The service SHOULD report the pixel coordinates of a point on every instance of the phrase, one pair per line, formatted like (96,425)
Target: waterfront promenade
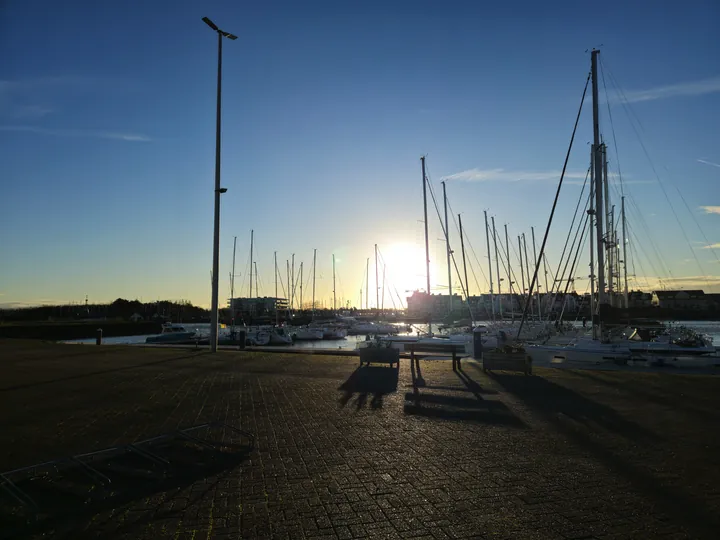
(346,452)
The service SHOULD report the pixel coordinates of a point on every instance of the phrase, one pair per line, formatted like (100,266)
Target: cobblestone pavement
(343,451)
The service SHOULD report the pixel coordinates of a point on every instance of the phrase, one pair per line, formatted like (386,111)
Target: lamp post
(218,190)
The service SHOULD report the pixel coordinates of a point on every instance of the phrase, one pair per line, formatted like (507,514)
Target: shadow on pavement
(65,495)
(366,380)
(556,403)
(448,406)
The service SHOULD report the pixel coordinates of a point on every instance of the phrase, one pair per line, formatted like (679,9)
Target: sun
(404,266)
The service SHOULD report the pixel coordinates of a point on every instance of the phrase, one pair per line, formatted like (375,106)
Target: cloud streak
(94,134)
(690,88)
(709,163)
(502,175)
(712,246)
(711,209)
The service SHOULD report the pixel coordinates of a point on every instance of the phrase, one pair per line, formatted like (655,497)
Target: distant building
(692,300)
(637,299)
(258,307)
(422,304)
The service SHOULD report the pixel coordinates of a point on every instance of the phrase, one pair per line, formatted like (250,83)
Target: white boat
(581,351)
(172,333)
(307,334)
(279,336)
(371,328)
(334,332)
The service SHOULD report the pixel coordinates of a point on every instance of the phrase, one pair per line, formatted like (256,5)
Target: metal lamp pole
(218,191)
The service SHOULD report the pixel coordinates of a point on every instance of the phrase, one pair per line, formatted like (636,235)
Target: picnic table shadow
(369,380)
(435,402)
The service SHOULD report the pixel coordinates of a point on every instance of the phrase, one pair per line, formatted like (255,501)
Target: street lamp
(218,190)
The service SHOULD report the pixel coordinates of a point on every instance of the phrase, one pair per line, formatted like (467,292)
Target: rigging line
(641,219)
(649,260)
(552,212)
(573,266)
(452,255)
(627,108)
(572,247)
(612,126)
(467,239)
(707,242)
(503,251)
(572,225)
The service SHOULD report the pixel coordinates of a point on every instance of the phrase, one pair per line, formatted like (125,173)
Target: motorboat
(307,334)
(172,333)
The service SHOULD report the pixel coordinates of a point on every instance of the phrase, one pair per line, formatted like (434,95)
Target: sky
(107,141)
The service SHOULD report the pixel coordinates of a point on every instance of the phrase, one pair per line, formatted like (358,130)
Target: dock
(342,451)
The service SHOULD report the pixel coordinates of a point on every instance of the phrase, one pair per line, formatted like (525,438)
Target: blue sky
(107,122)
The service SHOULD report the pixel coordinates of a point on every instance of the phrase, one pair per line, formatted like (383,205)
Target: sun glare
(404,269)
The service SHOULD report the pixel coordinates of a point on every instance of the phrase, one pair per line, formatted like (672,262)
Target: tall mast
(593,215)
(487,240)
(497,268)
(232,289)
(522,268)
(377,283)
(532,231)
(547,290)
(609,245)
(313,292)
(598,166)
(624,251)
(367,284)
(252,232)
(301,284)
(292,284)
(425,220)
(256,278)
(462,247)
(382,303)
(507,250)
(447,244)
(289,300)
(277,313)
(527,266)
(334,306)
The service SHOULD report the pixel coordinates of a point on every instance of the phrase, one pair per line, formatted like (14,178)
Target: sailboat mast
(232,289)
(377,282)
(425,220)
(287,267)
(256,279)
(624,251)
(507,250)
(334,306)
(447,244)
(527,267)
(313,291)
(487,241)
(301,285)
(462,247)
(532,232)
(367,284)
(598,166)
(382,303)
(591,212)
(252,232)
(292,283)
(609,249)
(522,268)
(277,312)
(497,267)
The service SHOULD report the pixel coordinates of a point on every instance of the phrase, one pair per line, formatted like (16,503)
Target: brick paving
(346,452)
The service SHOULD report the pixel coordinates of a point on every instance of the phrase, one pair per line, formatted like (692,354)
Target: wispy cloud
(502,175)
(133,137)
(712,246)
(709,163)
(711,209)
(690,88)
(706,283)
(29,111)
